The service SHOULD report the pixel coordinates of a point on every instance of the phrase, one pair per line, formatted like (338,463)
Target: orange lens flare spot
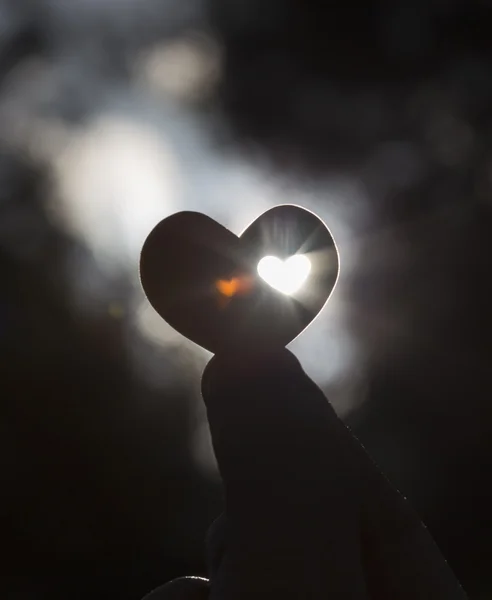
(227,288)
(234,286)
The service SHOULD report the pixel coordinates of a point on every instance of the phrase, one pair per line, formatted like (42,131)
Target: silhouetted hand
(308,514)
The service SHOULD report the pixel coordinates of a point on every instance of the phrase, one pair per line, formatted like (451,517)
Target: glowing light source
(285,276)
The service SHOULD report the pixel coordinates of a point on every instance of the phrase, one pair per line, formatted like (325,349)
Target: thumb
(290,475)
(274,433)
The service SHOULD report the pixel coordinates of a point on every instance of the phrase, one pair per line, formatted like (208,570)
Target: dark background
(380,112)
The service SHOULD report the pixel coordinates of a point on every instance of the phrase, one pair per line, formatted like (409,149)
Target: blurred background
(117,113)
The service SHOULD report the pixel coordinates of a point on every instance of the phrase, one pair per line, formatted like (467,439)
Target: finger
(183,588)
(400,557)
(290,478)
(271,424)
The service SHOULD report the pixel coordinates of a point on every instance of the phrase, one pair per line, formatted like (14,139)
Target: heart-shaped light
(286,276)
(208,284)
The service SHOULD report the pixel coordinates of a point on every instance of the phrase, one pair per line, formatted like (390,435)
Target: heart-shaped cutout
(286,276)
(211,285)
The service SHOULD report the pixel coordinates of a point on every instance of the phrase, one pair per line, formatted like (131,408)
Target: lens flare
(285,276)
(235,286)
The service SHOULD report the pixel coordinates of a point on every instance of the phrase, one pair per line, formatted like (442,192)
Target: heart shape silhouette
(209,285)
